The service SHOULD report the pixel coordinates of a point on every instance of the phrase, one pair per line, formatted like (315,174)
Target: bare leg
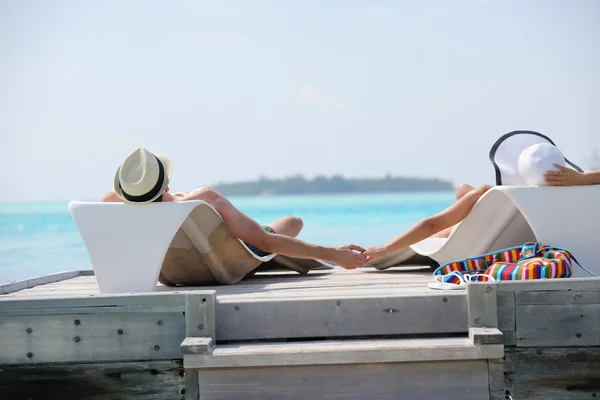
(288,226)
(461,191)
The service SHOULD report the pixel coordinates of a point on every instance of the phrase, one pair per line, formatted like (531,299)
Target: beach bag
(505,154)
(530,261)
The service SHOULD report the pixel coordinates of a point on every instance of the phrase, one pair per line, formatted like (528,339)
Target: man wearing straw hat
(144,178)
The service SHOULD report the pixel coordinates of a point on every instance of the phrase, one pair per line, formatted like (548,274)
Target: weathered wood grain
(342,352)
(505,299)
(90,338)
(482,305)
(102,328)
(47,305)
(200,315)
(548,284)
(336,282)
(510,338)
(39,280)
(199,321)
(465,380)
(148,380)
(496,379)
(553,373)
(483,336)
(198,345)
(558,297)
(558,325)
(325,317)
(506,318)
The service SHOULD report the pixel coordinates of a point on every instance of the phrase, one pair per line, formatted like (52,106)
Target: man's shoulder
(179,196)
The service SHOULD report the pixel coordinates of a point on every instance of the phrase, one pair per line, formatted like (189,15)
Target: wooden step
(453,368)
(331,315)
(341,352)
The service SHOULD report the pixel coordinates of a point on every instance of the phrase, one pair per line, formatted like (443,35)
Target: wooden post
(496,378)
(199,323)
(482,310)
(482,305)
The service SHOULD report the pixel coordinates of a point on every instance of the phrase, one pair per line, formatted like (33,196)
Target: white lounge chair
(130,246)
(507,216)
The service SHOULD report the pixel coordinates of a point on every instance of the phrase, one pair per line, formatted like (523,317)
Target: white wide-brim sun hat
(142,177)
(521,158)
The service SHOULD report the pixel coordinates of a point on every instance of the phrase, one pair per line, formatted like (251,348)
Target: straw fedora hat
(142,177)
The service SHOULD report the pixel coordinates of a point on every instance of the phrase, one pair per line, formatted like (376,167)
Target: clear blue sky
(231,90)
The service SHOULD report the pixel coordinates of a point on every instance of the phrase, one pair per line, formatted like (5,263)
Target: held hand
(564,177)
(375,252)
(349,256)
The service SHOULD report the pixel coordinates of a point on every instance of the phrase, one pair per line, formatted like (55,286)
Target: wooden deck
(280,335)
(331,283)
(336,302)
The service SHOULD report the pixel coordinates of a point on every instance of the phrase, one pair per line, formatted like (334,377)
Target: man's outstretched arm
(248,230)
(430,225)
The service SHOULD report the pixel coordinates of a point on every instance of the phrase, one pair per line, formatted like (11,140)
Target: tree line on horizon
(336,184)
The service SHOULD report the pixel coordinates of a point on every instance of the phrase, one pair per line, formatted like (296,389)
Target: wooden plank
(147,380)
(101,301)
(200,315)
(558,325)
(558,297)
(255,293)
(505,299)
(39,280)
(132,309)
(506,319)
(199,321)
(270,284)
(510,338)
(342,352)
(341,292)
(548,284)
(483,336)
(496,379)
(98,328)
(96,301)
(90,338)
(506,312)
(553,373)
(315,317)
(465,380)
(198,345)
(482,305)
(192,389)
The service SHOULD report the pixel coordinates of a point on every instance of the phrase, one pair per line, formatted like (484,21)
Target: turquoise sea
(41,238)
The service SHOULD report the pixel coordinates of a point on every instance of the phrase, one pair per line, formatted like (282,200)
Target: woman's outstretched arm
(430,225)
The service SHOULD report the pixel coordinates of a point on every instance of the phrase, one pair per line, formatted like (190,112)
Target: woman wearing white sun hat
(520,158)
(528,158)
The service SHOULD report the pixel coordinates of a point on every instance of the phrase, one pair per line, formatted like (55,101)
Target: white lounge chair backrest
(505,153)
(131,246)
(127,243)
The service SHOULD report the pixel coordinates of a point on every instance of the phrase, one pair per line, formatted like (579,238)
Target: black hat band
(153,192)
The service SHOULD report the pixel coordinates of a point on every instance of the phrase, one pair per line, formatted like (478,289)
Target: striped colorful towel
(530,261)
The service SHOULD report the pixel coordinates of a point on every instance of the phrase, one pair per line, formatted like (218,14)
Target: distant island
(336,184)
